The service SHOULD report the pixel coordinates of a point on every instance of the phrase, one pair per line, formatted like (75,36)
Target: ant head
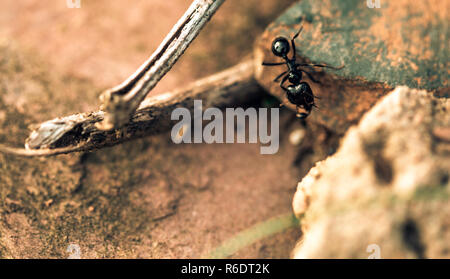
(294,77)
(280,47)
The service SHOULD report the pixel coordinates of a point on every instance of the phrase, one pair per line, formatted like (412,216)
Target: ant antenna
(298,33)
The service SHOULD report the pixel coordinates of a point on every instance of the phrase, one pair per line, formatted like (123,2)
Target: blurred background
(106,41)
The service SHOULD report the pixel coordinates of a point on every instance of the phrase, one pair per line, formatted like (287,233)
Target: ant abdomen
(300,94)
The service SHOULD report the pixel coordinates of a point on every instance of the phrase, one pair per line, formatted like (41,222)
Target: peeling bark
(79,132)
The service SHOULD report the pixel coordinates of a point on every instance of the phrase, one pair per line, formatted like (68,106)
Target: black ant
(298,93)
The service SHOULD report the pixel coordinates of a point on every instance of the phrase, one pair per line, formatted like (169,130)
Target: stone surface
(402,43)
(388,184)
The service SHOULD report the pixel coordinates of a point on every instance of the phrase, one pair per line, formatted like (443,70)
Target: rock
(402,43)
(388,185)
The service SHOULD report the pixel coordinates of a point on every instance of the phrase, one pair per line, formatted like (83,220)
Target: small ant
(298,93)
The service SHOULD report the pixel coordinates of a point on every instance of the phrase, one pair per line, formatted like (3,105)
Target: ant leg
(283,81)
(273,64)
(280,75)
(321,65)
(311,77)
(294,54)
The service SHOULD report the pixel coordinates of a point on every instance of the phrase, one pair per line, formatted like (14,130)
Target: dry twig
(79,132)
(122,101)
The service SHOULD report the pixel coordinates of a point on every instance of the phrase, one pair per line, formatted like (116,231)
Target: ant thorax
(295,77)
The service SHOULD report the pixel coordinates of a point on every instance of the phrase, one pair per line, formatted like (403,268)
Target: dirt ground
(148,198)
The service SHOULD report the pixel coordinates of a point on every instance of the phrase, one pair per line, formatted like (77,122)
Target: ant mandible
(298,93)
